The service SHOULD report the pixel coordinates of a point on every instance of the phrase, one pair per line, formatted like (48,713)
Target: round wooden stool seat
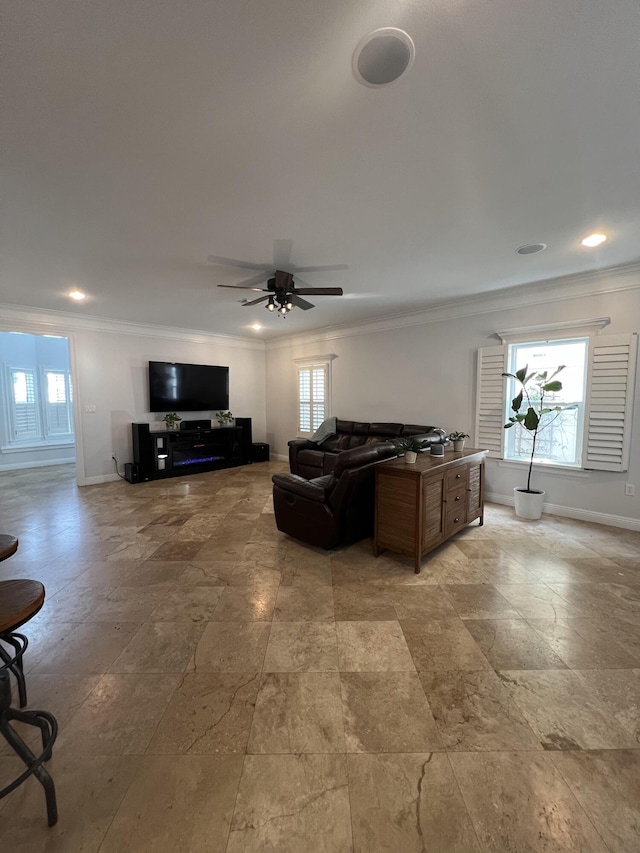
(20,600)
(8,545)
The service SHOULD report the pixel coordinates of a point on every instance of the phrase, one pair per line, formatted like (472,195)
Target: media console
(172,453)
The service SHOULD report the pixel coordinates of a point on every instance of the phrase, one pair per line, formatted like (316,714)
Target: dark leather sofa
(336,508)
(310,460)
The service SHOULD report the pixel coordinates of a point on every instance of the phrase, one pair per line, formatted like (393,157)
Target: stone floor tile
(563,712)
(607,786)
(246,603)
(619,691)
(589,643)
(512,644)
(187,604)
(177,803)
(208,713)
(519,801)
(88,792)
(479,601)
(474,712)
(292,803)
(304,603)
(357,602)
(373,647)
(119,716)
(91,648)
(159,647)
(421,602)
(298,712)
(387,712)
(231,647)
(442,644)
(408,803)
(302,647)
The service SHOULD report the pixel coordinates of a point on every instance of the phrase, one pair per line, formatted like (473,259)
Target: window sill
(541,467)
(39,445)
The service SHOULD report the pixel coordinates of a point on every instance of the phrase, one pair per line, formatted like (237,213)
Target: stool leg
(15,665)
(42,775)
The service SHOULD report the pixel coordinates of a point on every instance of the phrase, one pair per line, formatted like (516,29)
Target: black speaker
(246,443)
(144,450)
(195,424)
(260,452)
(437,449)
(131,472)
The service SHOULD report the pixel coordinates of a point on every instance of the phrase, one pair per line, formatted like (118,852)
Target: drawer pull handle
(457,497)
(458,476)
(456,520)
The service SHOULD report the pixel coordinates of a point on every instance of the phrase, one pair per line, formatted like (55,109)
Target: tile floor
(220,687)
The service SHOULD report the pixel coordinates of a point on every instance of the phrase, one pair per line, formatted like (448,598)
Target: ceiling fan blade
(301,303)
(327,268)
(231,262)
(255,279)
(255,301)
(241,287)
(319,291)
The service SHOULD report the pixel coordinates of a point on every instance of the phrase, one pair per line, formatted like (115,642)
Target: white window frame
(611,369)
(42,434)
(321,364)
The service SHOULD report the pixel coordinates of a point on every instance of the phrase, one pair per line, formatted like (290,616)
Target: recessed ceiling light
(594,240)
(383,56)
(531,248)
(256,327)
(78,295)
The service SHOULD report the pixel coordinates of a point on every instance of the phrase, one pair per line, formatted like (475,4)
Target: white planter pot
(458,445)
(528,504)
(410,456)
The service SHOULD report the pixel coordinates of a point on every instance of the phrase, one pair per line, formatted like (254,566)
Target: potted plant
(409,446)
(172,420)
(224,418)
(531,398)
(458,438)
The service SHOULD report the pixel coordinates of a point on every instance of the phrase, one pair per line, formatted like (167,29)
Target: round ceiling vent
(531,248)
(383,56)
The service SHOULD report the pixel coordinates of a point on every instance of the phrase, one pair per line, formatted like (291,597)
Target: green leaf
(531,420)
(520,374)
(552,386)
(508,426)
(516,402)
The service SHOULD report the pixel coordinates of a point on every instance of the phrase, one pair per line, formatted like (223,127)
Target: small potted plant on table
(224,418)
(172,420)
(409,446)
(458,439)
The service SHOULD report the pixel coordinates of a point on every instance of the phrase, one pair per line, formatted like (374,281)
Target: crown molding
(554,330)
(560,289)
(24,319)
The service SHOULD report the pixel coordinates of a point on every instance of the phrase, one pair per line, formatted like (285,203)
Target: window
(40,406)
(599,380)
(313,393)
(560,435)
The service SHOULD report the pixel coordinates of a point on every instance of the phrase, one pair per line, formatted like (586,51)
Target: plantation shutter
(490,400)
(24,413)
(319,384)
(610,392)
(57,408)
(304,400)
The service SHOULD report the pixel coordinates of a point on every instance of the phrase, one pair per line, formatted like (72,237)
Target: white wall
(423,371)
(109,366)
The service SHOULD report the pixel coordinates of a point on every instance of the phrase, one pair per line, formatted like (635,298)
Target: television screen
(187,387)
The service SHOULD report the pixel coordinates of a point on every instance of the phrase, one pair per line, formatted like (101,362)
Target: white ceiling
(138,138)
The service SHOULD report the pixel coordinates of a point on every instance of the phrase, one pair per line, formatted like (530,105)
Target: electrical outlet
(630,489)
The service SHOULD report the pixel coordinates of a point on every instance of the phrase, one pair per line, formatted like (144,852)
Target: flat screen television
(187,387)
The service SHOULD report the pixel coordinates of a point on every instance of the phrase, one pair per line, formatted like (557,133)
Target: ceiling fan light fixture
(271,305)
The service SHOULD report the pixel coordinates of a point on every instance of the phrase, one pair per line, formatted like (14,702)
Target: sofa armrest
(314,490)
(302,444)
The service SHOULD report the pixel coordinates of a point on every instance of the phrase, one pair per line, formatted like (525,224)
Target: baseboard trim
(571,512)
(103,478)
(278,457)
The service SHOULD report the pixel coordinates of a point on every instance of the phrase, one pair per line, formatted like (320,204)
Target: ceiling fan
(282,293)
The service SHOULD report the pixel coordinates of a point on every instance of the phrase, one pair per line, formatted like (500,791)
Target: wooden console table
(419,506)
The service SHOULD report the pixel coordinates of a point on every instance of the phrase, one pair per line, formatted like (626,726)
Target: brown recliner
(335,509)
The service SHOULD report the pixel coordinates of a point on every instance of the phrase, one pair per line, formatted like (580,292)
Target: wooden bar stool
(8,546)
(20,600)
